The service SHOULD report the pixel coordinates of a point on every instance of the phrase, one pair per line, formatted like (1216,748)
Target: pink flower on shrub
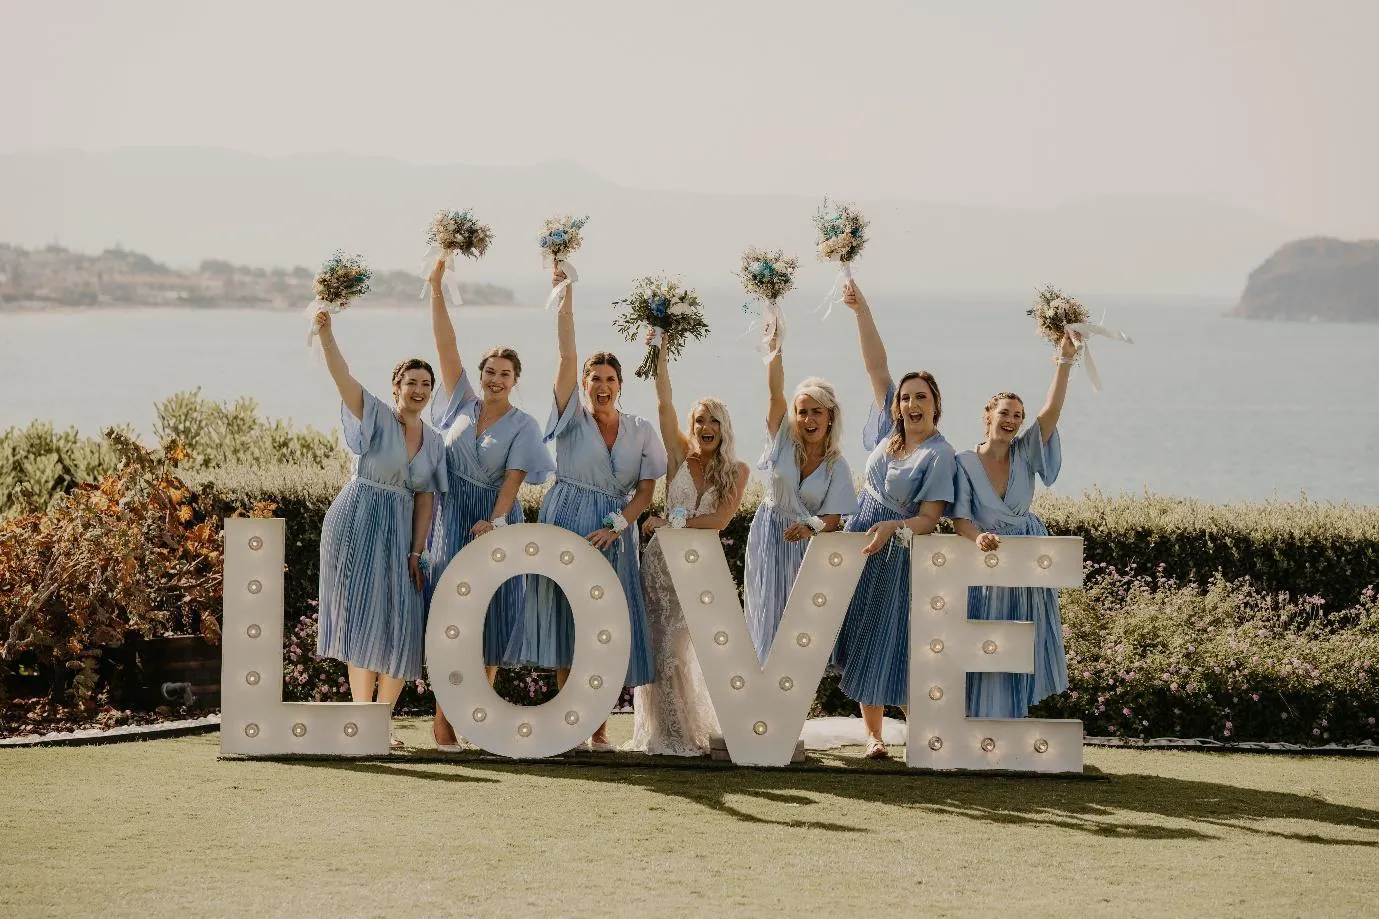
(1316,732)
(1254,696)
(1371,719)
(1173,687)
(1125,711)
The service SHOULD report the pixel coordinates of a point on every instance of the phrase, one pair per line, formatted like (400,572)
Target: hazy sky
(1265,104)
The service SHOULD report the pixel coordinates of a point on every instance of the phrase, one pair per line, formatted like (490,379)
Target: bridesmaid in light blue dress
(808,490)
(371,609)
(492,448)
(995,487)
(607,463)
(909,483)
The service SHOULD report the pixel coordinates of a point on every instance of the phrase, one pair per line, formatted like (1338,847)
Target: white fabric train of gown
(673,715)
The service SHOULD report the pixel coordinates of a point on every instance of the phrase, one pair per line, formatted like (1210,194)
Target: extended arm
(567,371)
(447,351)
(351,392)
(1058,389)
(671,435)
(873,350)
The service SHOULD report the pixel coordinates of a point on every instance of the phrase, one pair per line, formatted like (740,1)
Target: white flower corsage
(903,535)
(499,521)
(679,516)
(615,522)
(815,523)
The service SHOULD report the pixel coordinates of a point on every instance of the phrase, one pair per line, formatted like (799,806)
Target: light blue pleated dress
(477,465)
(1009,695)
(371,615)
(591,482)
(873,649)
(771,561)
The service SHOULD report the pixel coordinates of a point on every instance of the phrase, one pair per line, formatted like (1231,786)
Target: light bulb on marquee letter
(761,719)
(603,639)
(254,720)
(945,646)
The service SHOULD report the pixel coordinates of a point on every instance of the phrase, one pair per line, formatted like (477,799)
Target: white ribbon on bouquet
(772,331)
(1086,329)
(450,284)
(835,293)
(314,308)
(571,276)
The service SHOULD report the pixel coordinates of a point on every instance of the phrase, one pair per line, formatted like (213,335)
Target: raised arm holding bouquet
(453,232)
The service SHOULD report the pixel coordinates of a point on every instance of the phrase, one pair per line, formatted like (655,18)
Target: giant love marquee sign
(761,707)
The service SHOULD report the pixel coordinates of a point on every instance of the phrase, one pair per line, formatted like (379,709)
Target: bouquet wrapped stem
(342,279)
(559,239)
(453,232)
(669,310)
(1056,314)
(768,275)
(842,235)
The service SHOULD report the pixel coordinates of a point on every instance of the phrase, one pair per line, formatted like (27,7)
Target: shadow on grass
(1125,807)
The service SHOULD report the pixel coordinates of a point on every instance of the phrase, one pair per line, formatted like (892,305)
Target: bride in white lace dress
(704,485)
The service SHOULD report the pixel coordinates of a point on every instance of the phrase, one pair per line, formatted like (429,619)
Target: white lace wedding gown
(673,715)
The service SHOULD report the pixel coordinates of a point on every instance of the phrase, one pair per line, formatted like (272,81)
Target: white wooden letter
(761,708)
(254,719)
(455,640)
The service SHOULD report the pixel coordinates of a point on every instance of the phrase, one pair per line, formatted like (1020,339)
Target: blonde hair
(822,392)
(720,472)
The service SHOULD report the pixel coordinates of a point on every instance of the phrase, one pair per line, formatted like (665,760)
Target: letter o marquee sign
(454,640)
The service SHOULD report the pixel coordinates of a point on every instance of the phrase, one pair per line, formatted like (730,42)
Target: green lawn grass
(165,828)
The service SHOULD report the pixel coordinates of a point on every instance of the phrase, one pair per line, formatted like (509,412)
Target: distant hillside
(58,276)
(1321,279)
(293,210)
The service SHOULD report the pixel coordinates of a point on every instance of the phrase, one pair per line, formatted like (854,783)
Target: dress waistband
(472,481)
(575,483)
(884,501)
(397,489)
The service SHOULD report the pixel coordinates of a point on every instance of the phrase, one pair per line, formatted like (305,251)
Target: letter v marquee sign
(761,708)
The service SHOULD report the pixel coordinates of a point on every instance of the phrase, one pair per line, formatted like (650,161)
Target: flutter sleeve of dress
(362,433)
(964,506)
(776,446)
(1041,456)
(654,460)
(879,422)
(529,452)
(447,409)
(563,423)
(841,496)
(435,477)
(937,484)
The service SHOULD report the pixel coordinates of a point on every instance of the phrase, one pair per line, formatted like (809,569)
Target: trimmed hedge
(1302,548)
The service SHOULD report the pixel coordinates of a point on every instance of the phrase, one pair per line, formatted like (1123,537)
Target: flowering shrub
(1151,657)
(134,554)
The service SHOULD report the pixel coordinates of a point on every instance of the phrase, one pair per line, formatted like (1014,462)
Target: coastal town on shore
(54,276)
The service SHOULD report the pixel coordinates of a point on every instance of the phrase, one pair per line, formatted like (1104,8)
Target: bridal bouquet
(768,276)
(672,313)
(559,238)
(342,278)
(451,232)
(1055,314)
(842,234)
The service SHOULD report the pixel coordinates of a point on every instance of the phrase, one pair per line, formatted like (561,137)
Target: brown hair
(993,402)
(507,354)
(412,363)
(896,442)
(602,357)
